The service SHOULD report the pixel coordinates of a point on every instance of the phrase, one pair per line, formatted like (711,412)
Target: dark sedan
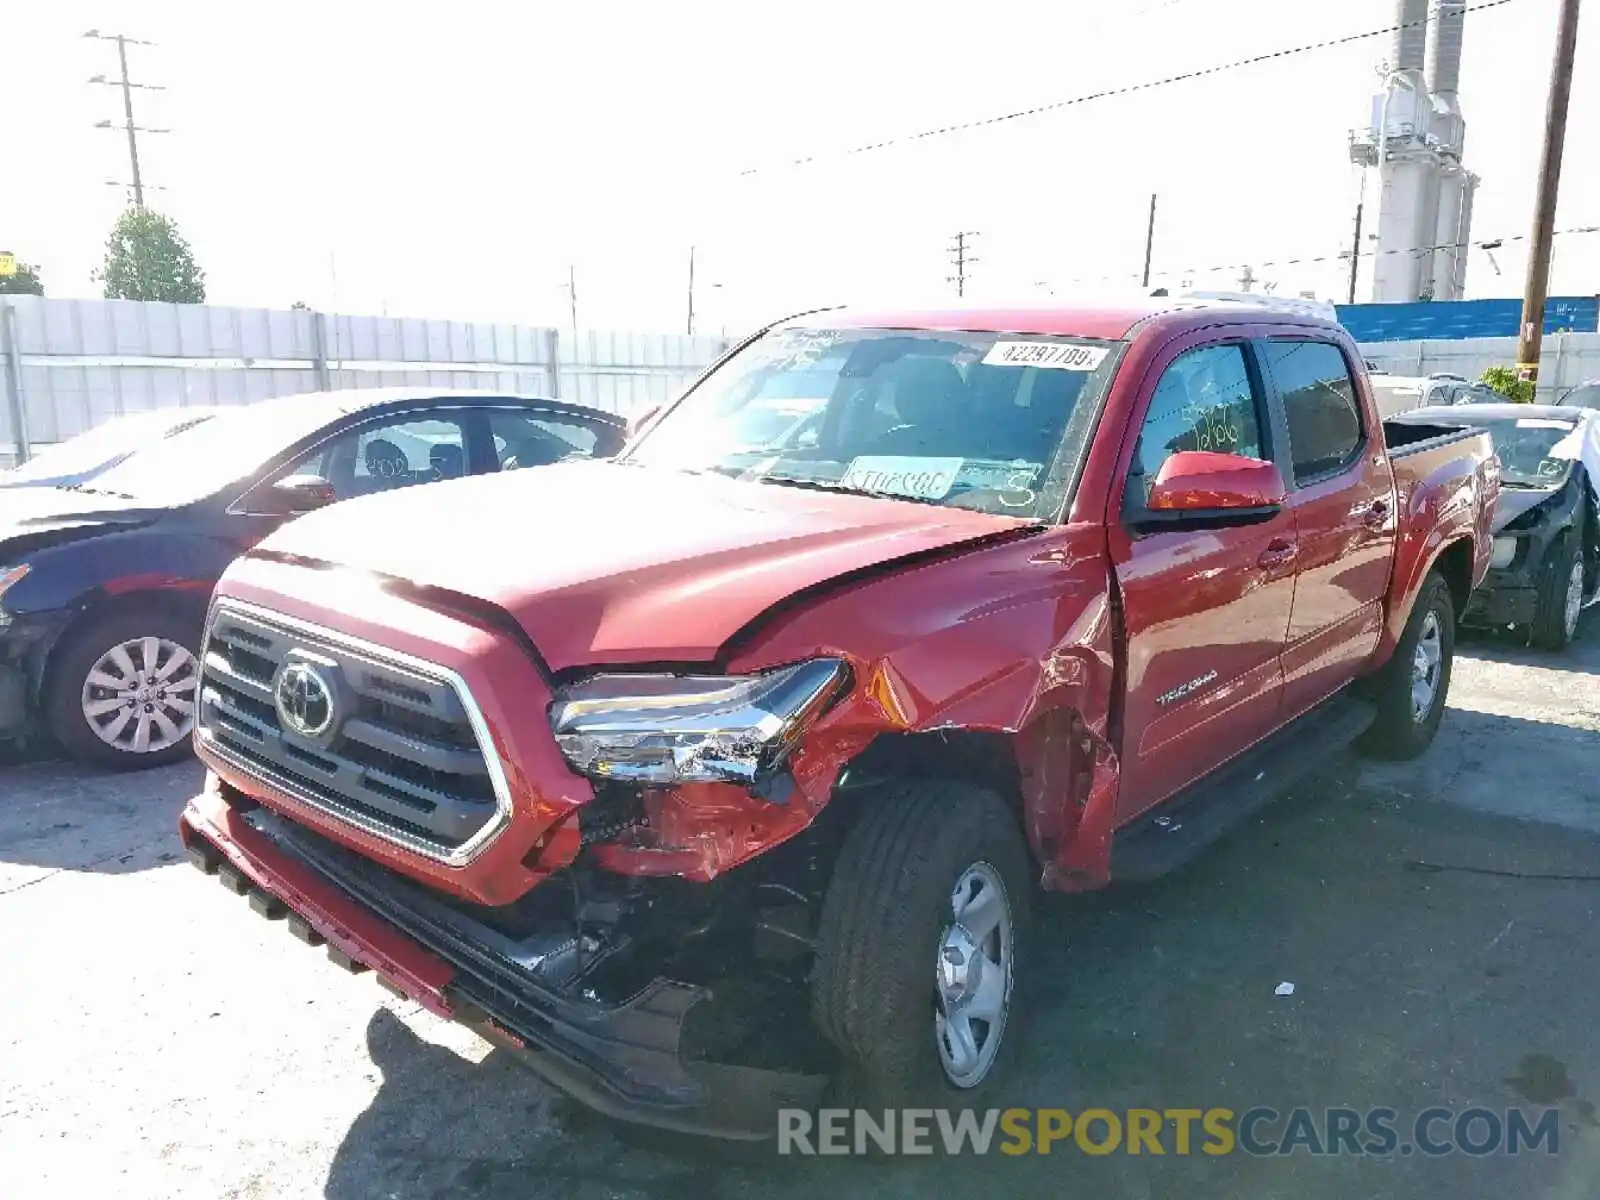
(104,585)
(1546,564)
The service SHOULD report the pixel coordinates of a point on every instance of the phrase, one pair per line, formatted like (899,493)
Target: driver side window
(387,455)
(1204,401)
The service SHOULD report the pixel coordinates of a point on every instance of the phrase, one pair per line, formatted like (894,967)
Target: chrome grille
(400,756)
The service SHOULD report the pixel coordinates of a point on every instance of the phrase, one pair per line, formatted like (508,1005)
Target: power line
(1312,260)
(1124,90)
(961,256)
(127,86)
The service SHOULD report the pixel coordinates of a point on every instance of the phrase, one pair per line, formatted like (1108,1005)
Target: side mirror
(638,424)
(1199,489)
(296,494)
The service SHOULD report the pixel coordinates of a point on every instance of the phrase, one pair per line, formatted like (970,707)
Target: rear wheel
(1555,620)
(1410,690)
(921,943)
(122,691)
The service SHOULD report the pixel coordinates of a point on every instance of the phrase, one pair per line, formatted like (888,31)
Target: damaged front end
(658,1001)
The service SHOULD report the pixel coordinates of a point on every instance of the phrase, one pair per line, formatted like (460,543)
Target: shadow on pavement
(1512,649)
(63,816)
(1411,990)
(1555,779)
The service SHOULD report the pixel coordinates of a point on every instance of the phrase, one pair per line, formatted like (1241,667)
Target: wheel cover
(973,976)
(1427,665)
(139,696)
(1574,605)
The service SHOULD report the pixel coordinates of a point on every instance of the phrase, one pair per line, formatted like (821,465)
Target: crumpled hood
(1516,501)
(602,562)
(31,515)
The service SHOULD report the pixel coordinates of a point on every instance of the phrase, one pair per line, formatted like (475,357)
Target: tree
(148,259)
(299,306)
(24,283)
(1504,380)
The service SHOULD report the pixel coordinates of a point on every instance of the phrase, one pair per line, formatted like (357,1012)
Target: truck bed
(1410,437)
(1439,456)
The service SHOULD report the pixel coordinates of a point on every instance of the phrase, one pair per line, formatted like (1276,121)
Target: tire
(888,918)
(1555,621)
(70,693)
(1402,730)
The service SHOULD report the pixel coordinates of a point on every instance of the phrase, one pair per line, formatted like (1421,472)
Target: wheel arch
(102,602)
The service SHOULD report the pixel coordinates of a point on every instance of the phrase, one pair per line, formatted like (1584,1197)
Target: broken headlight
(9,578)
(667,729)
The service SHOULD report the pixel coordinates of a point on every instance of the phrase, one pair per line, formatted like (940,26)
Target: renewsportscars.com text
(1259,1131)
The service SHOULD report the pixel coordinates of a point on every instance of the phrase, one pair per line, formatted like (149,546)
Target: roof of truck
(1113,320)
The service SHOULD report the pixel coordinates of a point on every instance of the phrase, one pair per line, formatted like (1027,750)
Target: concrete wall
(1565,360)
(76,363)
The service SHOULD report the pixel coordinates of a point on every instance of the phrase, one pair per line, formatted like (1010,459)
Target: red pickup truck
(733,791)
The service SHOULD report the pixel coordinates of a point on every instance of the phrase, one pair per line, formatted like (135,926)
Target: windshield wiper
(819,485)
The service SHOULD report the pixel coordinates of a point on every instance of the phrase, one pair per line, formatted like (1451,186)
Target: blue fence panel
(1456,319)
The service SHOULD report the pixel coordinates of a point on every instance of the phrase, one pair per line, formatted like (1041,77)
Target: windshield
(993,422)
(1524,444)
(203,460)
(82,457)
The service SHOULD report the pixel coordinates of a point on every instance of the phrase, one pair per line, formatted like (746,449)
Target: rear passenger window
(1204,401)
(1319,401)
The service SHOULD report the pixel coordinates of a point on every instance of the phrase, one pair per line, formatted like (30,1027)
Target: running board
(1178,830)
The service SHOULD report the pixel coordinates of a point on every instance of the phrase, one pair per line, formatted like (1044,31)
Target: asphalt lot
(158,1040)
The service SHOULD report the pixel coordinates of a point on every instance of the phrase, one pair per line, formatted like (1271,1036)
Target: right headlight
(1504,553)
(660,730)
(9,578)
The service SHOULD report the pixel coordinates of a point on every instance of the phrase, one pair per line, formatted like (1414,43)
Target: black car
(1546,563)
(104,585)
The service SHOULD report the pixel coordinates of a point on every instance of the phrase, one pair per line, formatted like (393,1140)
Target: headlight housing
(9,578)
(1504,552)
(660,730)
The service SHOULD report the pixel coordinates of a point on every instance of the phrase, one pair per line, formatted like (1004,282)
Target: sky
(459,160)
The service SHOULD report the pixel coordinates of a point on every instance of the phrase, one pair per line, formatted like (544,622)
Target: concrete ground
(159,1040)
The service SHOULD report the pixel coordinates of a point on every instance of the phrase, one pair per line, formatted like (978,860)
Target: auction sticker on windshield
(894,475)
(1057,356)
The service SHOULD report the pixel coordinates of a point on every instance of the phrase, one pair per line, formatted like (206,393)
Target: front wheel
(1410,690)
(922,942)
(1555,621)
(122,691)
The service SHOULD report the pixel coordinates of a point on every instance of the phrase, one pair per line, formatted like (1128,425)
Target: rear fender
(1446,520)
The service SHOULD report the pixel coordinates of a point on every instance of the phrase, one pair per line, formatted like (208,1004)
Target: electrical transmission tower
(128,125)
(961,256)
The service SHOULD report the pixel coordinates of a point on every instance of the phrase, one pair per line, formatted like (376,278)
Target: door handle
(1376,514)
(1278,553)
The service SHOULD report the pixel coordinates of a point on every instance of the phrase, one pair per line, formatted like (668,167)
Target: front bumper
(622,1059)
(26,639)
(1507,597)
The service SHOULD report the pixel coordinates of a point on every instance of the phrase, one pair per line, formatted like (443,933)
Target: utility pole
(960,255)
(572,296)
(1149,239)
(129,126)
(1355,253)
(690,329)
(1246,278)
(1544,211)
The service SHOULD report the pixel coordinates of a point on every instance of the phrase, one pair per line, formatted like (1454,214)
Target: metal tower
(1415,140)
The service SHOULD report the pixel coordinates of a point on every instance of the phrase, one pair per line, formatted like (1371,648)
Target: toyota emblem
(304,700)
